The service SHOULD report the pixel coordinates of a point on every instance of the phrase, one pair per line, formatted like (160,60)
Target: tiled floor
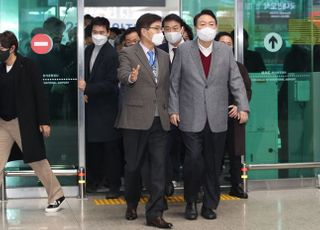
(264,210)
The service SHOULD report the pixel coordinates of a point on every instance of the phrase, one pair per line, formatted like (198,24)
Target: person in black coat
(24,117)
(101,93)
(235,144)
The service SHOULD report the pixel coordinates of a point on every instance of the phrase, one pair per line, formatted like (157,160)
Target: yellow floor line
(144,200)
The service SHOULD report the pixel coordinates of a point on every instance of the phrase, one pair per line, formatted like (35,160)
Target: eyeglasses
(155,28)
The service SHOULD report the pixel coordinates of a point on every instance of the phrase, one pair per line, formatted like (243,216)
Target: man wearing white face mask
(202,74)
(101,92)
(173,29)
(143,118)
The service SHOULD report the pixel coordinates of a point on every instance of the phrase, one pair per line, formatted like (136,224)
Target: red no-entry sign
(41,43)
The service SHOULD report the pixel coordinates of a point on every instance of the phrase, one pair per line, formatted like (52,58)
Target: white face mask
(173,37)
(99,39)
(206,34)
(157,39)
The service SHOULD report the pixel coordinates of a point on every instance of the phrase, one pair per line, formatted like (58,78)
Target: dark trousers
(202,165)
(145,145)
(235,169)
(175,150)
(104,160)
(235,146)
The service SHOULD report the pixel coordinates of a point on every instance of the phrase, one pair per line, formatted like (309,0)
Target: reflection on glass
(59,69)
(282,126)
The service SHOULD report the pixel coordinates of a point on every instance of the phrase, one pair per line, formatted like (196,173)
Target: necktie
(174,53)
(151,58)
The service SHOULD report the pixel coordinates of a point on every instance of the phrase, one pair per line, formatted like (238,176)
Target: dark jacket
(32,110)
(164,47)
(236,132)
(103,94)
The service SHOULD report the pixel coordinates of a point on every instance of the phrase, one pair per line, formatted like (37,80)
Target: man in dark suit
(101,93)
(173,29)
(202,74)
(235,144)
(143,118)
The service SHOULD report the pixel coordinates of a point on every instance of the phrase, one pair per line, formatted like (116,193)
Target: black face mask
(4,55)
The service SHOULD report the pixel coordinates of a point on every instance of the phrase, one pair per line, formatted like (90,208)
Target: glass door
(282,56)
(57,19)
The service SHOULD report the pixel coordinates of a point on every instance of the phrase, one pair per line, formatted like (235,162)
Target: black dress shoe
(131,213)
(159,222)
(169,189)
(191,212)
(208,213)
(238,192)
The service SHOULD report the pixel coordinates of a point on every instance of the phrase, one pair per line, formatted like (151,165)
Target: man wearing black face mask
(24,117)
(101,93)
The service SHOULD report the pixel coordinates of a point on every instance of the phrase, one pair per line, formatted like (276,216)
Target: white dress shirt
(171,53)
(205,51)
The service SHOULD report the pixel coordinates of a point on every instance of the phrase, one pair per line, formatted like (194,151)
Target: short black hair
(116,30)
(145,21)
(204,12)
(221,34)
(88,31)
(88,17)
(172,17)
(8,39)
(53,24)
(129,31)
(188,30)
(101,21)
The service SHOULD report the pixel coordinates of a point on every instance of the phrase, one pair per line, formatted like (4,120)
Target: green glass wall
(283,123)
(224,11)
(59,69)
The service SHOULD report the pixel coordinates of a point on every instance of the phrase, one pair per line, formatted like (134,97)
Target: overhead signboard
(117,3)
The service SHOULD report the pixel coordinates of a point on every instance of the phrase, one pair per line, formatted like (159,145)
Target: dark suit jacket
(103,92)
(32,109)
(164,47)
(141,98)
(236,132)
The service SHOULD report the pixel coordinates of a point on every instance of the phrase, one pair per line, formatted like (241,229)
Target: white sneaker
(55,206)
